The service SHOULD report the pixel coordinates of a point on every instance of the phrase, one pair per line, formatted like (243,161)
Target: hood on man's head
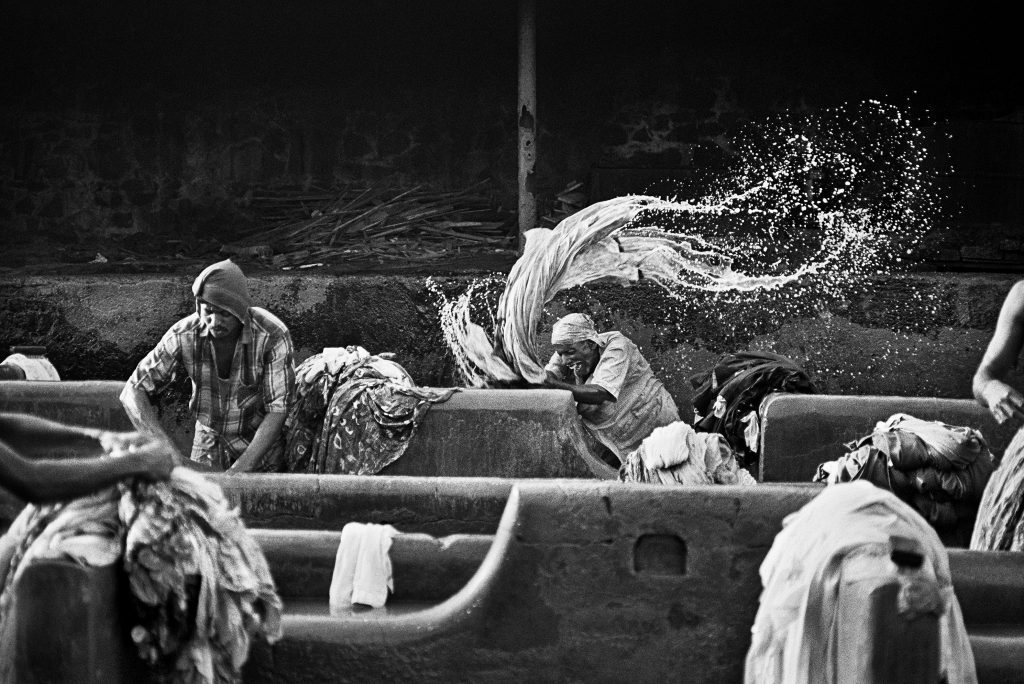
(224,285)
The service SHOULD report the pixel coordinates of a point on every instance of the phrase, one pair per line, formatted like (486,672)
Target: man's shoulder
(267,322)
(188,324)
(613,339)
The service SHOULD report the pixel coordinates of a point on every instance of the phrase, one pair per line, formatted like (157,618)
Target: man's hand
(153,457)
(553,377)
(1003,401)
(119,442)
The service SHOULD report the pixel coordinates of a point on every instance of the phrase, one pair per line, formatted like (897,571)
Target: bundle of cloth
(941,470)
(727,397)
(354,414)
(200,584)
(845,536)
(676,454)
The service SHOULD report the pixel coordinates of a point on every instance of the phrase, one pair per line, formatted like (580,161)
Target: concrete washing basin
(579,580)
(528,567)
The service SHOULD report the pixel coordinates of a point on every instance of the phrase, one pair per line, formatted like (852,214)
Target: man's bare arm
(585,394)
(38,480)
(141,411)
(989,383)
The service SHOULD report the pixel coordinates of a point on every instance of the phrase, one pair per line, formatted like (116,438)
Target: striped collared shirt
(262,378)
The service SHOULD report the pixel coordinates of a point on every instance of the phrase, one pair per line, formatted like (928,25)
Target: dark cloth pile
(355,413)
(727,397)
(941,470)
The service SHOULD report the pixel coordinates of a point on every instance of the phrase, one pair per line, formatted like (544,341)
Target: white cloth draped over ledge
(795,633)
(362,567)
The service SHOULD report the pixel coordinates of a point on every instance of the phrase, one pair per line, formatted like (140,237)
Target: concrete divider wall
(583,581)
(586,581)
(501,433)
(424,567)
(799,431)
(483,433)
(433,505)
(92,403)
(918,334)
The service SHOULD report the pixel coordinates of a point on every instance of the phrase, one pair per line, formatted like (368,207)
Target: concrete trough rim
(463,611)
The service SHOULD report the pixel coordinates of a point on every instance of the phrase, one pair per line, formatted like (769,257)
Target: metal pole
(527,114)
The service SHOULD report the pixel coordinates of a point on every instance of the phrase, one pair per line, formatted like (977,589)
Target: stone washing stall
(919,334)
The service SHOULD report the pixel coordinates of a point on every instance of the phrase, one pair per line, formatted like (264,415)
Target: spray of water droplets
(813,208)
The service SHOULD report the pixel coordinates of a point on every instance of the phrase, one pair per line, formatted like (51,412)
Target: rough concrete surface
(912,335)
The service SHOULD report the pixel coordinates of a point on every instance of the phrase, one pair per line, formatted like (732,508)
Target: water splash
(812,208)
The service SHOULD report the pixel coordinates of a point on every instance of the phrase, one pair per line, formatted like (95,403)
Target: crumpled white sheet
(677,454)
(362,567)
(794,637)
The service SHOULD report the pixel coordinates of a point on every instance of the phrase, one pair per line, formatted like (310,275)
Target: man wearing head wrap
(240,360)
(616,393)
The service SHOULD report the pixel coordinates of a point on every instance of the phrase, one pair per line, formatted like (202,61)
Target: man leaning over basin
(617,394)
(240,359)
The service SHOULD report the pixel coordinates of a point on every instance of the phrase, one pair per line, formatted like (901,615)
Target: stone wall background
(914,335)
(159,125)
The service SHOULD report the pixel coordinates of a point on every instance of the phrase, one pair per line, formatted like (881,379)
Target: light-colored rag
(34,367)
(362,567)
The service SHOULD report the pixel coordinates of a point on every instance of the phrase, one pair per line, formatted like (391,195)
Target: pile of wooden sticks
(373,222)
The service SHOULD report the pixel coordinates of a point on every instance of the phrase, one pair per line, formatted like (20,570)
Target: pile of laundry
(355,412)
(849,539)
(200,583)
(941,470)
(727,397)
(676,454)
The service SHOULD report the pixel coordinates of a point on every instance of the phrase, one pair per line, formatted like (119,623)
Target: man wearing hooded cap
(240,360)
(617,395)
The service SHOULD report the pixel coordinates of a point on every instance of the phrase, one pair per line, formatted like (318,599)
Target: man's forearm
(41,480)
(140,411)
(585,394)
(266,434)
(981,378)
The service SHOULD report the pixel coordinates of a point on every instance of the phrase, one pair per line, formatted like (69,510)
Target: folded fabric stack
(939,469)
(727,397)
(676,454)
(355,413)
